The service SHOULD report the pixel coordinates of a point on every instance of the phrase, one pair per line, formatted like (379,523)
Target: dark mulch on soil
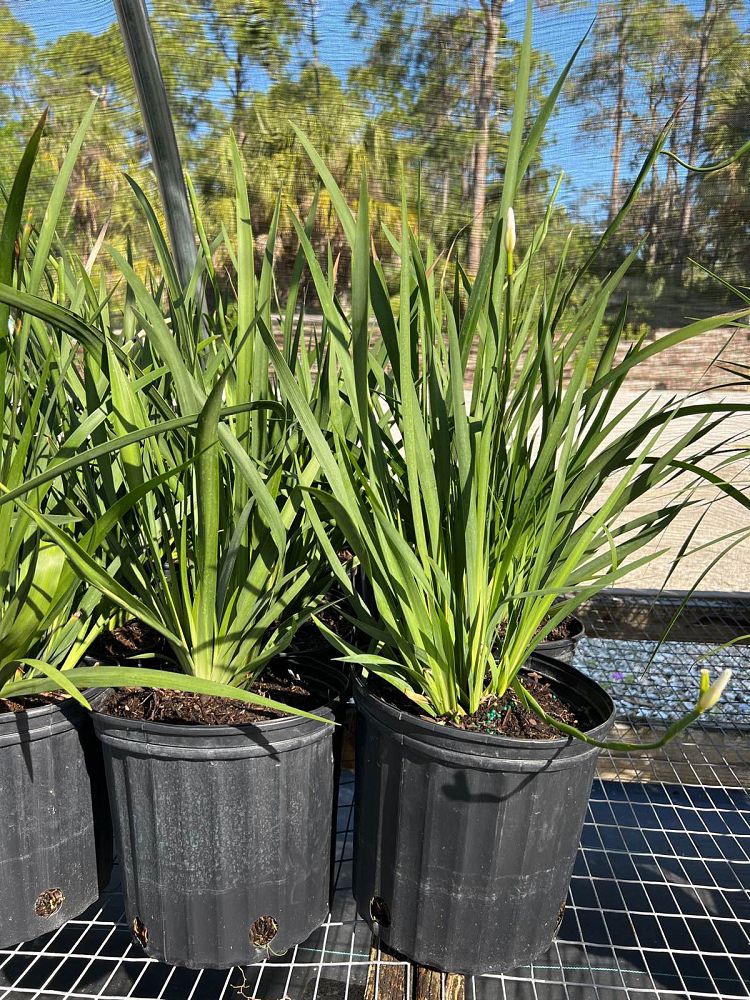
(564,630)
(127,643)
(186,708)
(27,701)
(506,716)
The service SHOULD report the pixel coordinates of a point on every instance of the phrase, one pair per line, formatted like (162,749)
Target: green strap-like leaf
(119,677)
(61,680)
(13,216)
(94,574)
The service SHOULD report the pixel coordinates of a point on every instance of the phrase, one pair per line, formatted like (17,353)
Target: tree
(235,44)
(491,13)
(712,28)
(648,63)
(278,167)
(441,118)
(17,49)
(425,64)
(602,81)
(70,72)
(443,82)
(723,199)
(660,70)
(486,96)
(310,12)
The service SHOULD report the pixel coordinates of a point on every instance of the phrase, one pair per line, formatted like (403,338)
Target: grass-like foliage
(511,506)
(189,475)
(46,621)
(159,460)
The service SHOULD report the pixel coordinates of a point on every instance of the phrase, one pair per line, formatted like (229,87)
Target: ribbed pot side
(223,832)
(464,843)
(56,833)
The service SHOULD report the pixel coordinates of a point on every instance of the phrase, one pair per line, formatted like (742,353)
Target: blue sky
(584,159)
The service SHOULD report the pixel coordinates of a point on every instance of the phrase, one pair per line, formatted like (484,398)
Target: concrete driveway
(719,514)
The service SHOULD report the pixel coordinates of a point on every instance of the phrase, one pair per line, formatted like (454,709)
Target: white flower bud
(510,232)
(711,694)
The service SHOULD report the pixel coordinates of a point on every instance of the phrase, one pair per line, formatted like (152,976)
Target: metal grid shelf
(647,648)
(659,905)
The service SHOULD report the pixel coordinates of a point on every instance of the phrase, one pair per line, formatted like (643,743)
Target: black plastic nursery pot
(56,833)
(564,649)
(464,843)
(224,832)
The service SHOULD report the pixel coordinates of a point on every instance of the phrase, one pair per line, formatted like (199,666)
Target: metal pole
(157,118)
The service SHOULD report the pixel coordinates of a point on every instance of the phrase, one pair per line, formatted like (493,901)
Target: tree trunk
(236,94)
(492,10)
(653,217)
(671,187)
(653,194)
(614,191)
(315,44)
(708,22)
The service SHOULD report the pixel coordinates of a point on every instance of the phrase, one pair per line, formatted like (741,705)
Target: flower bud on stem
(510,239)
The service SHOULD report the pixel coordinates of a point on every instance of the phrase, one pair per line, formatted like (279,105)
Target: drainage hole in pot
(140,931)
(379,912)
(263,931)
(49,902)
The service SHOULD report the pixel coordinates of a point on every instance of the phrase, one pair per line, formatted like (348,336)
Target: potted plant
(562,641)
(220,769)
(56,835)
(475,757)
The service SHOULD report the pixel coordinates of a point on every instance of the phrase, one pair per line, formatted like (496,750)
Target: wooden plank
(394,978)
(386,976)
(433,985)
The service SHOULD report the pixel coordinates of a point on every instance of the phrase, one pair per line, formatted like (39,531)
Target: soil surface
(27,701)
(506,716)
(564,630)
(186,708)
(127,643)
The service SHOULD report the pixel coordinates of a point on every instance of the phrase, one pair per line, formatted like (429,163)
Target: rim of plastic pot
(586,692)
(37,711)
(579,631)
(42,721)
(332,681)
